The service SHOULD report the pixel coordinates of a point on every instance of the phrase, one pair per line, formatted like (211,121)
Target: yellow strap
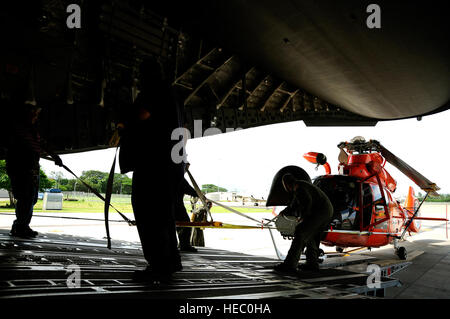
(217,225)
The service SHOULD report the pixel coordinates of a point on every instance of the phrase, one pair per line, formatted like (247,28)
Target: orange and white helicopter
(365,211)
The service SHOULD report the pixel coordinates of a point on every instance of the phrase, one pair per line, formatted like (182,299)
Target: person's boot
(176,267)
(140,275)
(13,231)
(314,267)
(22,231)
(149,276)
(188,248)
(185,241)
(284,268)
(30,233)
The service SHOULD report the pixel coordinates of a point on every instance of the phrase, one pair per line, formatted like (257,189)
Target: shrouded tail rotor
(278,195)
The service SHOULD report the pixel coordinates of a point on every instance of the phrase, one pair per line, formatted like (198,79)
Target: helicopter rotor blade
(421,181)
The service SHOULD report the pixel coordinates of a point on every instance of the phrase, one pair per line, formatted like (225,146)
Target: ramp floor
(63,266)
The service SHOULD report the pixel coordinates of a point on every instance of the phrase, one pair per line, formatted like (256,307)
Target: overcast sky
(247,160)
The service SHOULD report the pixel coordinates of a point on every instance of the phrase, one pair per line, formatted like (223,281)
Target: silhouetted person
(25,146)
(313,208)
(199,215)
(184,233)
(146,150)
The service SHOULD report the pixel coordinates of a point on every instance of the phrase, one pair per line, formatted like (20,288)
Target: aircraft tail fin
(411,204)
(410,200)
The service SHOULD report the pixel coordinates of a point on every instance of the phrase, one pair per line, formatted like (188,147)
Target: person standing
(184,233)
(25,146)
(146,150)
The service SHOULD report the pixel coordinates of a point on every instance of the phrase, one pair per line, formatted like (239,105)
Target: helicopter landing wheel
(401,253)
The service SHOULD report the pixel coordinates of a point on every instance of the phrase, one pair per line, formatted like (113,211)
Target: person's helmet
(278,196)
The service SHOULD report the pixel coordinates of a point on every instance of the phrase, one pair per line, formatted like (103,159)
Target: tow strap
(211,224)
(109,184)
(220,225)
(106,199)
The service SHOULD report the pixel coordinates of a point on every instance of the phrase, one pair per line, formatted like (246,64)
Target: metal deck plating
(41,267)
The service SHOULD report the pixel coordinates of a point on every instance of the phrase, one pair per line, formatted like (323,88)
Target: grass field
(123,204)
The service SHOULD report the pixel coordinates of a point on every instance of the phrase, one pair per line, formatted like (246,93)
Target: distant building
(222,196)
(4,193)
(235,197)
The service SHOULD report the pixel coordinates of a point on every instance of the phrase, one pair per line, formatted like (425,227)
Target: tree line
(95,179)
(438,199)
(5,183)
(211,188)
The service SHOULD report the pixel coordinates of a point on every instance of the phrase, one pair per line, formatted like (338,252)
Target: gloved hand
(58,160)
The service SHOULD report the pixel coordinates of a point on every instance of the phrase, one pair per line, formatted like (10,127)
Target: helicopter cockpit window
(378,199)
(342,192)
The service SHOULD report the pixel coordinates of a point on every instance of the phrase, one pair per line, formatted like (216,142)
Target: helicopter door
(367,204)
(379,208)
(364,205)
